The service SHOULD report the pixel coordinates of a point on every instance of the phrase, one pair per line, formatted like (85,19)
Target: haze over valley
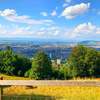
(53,48)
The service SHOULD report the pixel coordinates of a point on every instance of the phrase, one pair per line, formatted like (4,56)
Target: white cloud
(73,11)
(54,13)
(51,32)
(44,14)
(8,12)
(14,31)
(21,31)
(2,30)
(28,31)
(98,30)
(85,28)
(11,15)
(79,31)
(56,33)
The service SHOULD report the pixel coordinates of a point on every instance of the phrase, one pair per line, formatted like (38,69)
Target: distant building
(58,61)
(31,58)
(53,61)
(50,55)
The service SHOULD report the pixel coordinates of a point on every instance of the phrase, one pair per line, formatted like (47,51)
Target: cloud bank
(11,15)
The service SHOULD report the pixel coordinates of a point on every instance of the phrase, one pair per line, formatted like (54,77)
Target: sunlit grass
(62,92)
(7,77)
(58,92)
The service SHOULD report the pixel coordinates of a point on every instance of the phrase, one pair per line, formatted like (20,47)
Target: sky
(50,19)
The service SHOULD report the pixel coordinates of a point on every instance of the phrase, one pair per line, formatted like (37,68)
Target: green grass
(28,97)
(7,77)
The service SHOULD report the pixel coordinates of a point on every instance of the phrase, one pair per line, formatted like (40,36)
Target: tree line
(82,62)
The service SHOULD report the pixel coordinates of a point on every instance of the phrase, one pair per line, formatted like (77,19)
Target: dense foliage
(13,64)
(41,67)
(82,62)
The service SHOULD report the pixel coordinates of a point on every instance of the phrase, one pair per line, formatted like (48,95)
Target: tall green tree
(84,61)
(13,64)
(41,66)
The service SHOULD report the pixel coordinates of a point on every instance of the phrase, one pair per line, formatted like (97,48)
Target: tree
(6,61)
(84,61)
(13,64)
(64,72)
(92,60)
(22,65)
(41,67)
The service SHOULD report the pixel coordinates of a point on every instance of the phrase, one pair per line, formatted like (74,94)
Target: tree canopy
(12,63)
(84,61)
(41,66)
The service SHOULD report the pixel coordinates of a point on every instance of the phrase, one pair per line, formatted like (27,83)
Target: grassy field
(56,92)
(7,77)
(49,92)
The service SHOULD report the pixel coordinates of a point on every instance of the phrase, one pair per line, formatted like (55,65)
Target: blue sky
(57,19)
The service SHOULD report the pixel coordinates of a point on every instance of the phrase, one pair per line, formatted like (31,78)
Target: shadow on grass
(27,97)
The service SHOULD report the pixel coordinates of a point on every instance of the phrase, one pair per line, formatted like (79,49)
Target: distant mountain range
(46,41)
(55,49)
(90,43)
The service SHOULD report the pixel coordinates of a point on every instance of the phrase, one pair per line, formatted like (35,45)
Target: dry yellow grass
(59,92)
(64,92)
